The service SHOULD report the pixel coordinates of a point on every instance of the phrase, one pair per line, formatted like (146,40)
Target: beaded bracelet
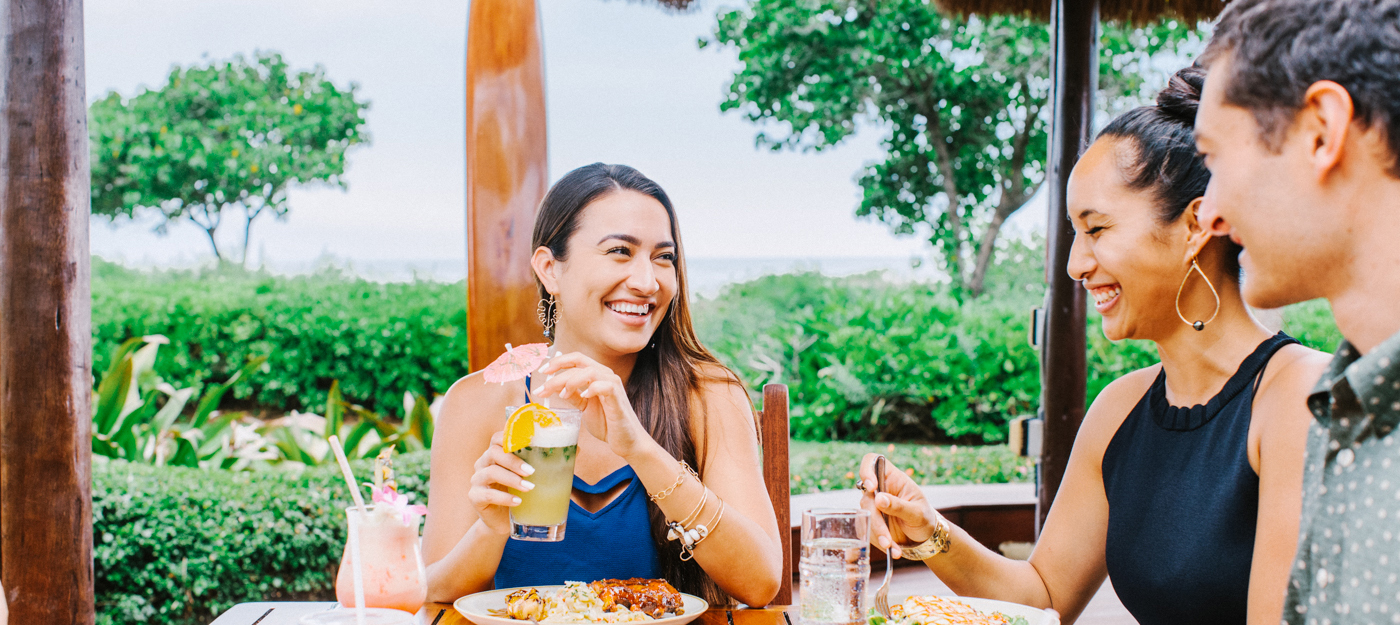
(692,538)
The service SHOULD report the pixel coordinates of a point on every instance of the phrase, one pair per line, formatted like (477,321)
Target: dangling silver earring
(1198,325)
(548,312)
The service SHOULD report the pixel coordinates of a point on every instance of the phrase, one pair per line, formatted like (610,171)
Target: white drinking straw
(356,569)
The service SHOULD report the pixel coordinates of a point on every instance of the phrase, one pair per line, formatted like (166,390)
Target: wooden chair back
(773,437)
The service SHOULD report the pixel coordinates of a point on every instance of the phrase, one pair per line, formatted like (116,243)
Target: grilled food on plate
(654,597)
(603,601)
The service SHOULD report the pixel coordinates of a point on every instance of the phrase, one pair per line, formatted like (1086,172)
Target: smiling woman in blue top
(608,259)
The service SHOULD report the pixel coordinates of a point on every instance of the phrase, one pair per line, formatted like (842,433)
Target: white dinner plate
(475,607)
(1035,616)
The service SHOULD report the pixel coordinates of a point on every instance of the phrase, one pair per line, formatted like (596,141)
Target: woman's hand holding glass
(495,471)
(601,395)
(912,519)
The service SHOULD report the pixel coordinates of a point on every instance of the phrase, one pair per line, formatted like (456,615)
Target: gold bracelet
(706,530)
(679,480)
(939,542)
(700,507)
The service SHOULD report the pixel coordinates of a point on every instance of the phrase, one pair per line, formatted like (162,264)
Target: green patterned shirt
(1348,564)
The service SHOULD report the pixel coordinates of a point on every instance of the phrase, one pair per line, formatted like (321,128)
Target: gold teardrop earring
(548,312)
(1198,325)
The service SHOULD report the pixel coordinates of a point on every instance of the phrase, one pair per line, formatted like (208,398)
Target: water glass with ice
(835,565)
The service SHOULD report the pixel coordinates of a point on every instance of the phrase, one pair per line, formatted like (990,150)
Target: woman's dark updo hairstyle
(1164,161)
(669,370)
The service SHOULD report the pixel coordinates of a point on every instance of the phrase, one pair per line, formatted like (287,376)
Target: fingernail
(897,552)
(884,543)
(527,485)
(584,394)
(529,470)
(515,500)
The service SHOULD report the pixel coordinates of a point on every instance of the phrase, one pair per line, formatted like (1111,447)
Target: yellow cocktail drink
(543,510)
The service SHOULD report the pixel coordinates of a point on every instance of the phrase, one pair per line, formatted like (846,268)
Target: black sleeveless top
(1183,502)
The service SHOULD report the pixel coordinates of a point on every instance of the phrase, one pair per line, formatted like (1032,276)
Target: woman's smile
(632,313)
(1105,296)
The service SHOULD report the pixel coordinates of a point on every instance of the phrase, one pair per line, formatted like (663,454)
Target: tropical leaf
(335,410)
(419,423)
(210,402)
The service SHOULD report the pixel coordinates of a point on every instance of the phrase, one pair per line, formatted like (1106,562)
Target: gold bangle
(695,514)
(939,542)
(706,530)
(679,480)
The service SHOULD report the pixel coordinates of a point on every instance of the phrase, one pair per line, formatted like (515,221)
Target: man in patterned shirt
(1300,126)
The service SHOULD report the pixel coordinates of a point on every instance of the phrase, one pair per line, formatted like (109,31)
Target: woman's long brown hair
(669,370)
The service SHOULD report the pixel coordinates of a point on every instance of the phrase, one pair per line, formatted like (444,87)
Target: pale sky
(626,83)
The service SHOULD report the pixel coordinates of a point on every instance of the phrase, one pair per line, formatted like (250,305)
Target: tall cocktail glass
(835,565)
(393,563)
(543,510)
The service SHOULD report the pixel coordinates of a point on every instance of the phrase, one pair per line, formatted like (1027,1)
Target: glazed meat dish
(654,597)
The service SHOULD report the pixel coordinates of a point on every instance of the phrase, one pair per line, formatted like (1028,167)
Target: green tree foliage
(233,134)
(963,104)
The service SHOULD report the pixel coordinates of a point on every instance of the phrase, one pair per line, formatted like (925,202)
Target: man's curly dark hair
(1279,48)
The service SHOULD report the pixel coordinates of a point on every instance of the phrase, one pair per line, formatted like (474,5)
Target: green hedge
(179,546)
(867,359)
(379,340)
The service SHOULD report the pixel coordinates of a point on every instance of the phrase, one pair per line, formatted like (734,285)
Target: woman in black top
(1184,480)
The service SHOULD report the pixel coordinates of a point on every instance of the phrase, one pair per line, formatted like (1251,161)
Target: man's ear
(546,268)
(1325,123)
(1198,234)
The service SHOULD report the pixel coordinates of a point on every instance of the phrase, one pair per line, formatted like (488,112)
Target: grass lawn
(820,467)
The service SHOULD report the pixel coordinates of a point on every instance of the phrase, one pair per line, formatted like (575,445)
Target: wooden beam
(1074,25)
(45,317)
(507,174)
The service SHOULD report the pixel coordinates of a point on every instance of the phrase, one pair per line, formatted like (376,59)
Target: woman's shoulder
(716,383)
(1114,403)
(1291,375)
(473,395)
(719,397)
(1294,369)
(1123,393)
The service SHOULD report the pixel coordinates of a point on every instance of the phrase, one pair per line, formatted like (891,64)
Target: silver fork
(882,596)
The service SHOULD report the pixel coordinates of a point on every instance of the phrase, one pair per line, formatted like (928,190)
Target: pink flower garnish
(390,497)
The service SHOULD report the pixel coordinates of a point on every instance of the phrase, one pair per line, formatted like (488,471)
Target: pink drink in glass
(393,568)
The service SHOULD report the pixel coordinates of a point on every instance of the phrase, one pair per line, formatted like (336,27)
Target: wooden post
(45,317)
(773,436)
(507,174)
(1074,24)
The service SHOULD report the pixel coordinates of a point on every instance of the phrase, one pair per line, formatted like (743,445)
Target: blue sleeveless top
(614,542)
(1183,502)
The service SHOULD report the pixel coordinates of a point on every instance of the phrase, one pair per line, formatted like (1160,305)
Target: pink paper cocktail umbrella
(516,363)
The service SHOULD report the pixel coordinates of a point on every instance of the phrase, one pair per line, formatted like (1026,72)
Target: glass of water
(835,565)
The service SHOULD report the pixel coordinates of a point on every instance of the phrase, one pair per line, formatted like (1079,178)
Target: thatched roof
(1128,10)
